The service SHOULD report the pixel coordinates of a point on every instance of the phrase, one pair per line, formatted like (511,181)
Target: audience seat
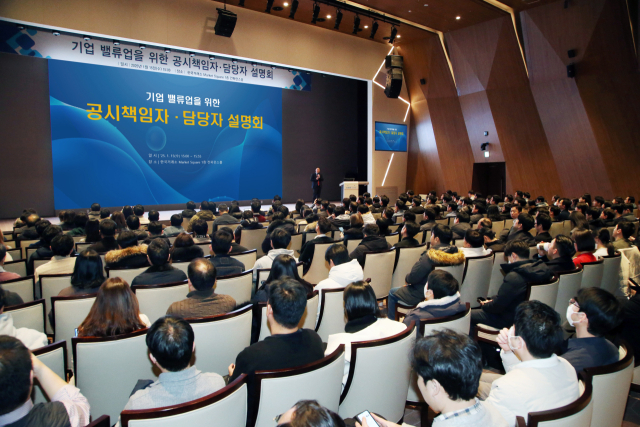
(238,286)
(378,266)
(28,315)
(126,274)
(546,292)
(566,229)
(308,320)
(248,258)
(23,286)
(226,407)
(319,268)
(497,227)
(399,219)
(296,243)
(38,262)
(308,236)
(508,223)
(444,221)
(477,276)
(394,227)
(457,271)
(209,227)
(68,314)
(182,266)
(30,252)
(592,274)
(24,244)
(19,267)
(252,239)
(533,250)
(82,246)
(352,244)
(219,339)
(379,374)
(458,243)
(154,300)
(567,288)
(556,229)
(15,253)
(49,286)
(54,356)
(419,218)
(108,389)
(393,238)
(332,318)
(405,259)
(426,237)
(282,388)
(611,273)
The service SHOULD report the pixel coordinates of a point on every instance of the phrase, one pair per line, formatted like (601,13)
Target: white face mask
(570,312)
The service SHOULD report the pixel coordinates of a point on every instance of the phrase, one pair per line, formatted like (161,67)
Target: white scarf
(440,301)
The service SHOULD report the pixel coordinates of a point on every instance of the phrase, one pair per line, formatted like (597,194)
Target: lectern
(351,187)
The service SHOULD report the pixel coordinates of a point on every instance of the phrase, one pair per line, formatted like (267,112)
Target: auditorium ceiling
(440,15)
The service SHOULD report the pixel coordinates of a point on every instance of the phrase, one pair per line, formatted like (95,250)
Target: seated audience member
(114,312)
(367,217)
(104,214)
(603,244)
(201,300)
(29,231)
(129,254)
(155,233)
(363,322)
(416,206)
(520,230)
(441,253)
(441,298)
(6,275)
(399,209)
(91,231)
(171,344)
(161,270)
(461,225)
(40,227)
(200,228)
(543,224)
(87,276)
(371,242)
(429,220)
(61,262)
(499,310)
(559,258)
(153,216)
(594,313)
(484,222)
(248,222)
(622,233)
(309,413)
(287,346)
(121,222)
(513,213)
(18,369)
(477,213)
(473,244)
(184,249)
(323,227)
(340,219)
(385,221)
(205,214)
(94,212)
(31,338)
(256,206)
(235,247)
(138,211)
(220,248)
(79,223)
(176,226)
(493,213)
(127,211)
(280,239)
(408,216)
(312,221)
(536,379)
(585,245)
(452,210)
(107,237)
(279,221)
(224,218)
(564,206)
(283,265)
(578,222)
(44,251)
(408,235)
(190,211)
(356,229)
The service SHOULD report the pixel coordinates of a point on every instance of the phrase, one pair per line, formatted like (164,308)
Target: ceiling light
(328,16)
(269,5)
(273,67)
(116,43)
(286,4)
(142,46)
(392,37)
(356,25)
(409,11)
(457,17)
(294,7)
(366,26)
(338,20)
(374,28)
(235,61)
(167,50)
(254,64)
(192,54)
(316,12)
(86,38)
(56,33)
(398,36)
(212,58)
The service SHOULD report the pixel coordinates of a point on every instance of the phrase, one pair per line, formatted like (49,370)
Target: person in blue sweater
(442,298)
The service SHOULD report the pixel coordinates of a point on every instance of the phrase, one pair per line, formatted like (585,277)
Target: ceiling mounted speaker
(226,23)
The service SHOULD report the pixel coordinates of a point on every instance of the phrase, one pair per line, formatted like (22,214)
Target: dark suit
(157,275)
(543,237)
(316,184)
(105,244)
(563,216)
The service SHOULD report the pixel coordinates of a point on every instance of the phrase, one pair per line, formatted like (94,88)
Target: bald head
(32,220)
(202,274)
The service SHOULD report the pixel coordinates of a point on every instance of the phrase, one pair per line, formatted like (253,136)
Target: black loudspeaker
(226,23)
(571,70)
(392,61)
(571,53)
(423,81)
(394,83)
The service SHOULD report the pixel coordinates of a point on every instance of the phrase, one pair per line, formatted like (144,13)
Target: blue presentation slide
(123,137)
(391,137)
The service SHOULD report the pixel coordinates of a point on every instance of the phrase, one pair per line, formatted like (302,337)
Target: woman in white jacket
(363,322)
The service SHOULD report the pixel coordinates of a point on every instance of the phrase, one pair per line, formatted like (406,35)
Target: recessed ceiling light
(86,38)
(167,50)
(409,11)
(457,17)
(328,16)
(286,4)
(425,5)
(366,26)
(398,36)
(116,43)
(56,33)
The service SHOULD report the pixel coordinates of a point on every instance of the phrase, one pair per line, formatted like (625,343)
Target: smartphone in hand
(367,415)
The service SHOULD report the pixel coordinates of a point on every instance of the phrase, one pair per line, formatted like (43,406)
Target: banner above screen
(44,44)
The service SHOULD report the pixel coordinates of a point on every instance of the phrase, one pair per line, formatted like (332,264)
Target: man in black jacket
(323,227)
(220,248)
(385,221)
(190,211)
(316,184)
(543,224)
(520,230)
(161,270)
(416,206)
(129,255)
(29,231)
(44,251)
(461,225)
(107,237)
(477,213)
(224,218)
(564,206)
(155,232)
(408,234)
(559,258)
(429,220)
(372,242)
(499,310)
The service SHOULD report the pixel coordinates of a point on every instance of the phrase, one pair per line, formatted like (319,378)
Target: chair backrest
(476,278)
(108,390)
(30,252)
(577,413)
(378,266)
(556,229)
(308,320)
(248,258)
(592,274)
(237,286)
(281,389)
(405,259)
(331,319)
(567,288)
(308,236)
(319,269)
(508,223)
(497,226)
(533,250)
(252,239)
(15,253)
(154,300)
(68,314)
(611,385)
(226,407)
(399,219)
(38,262)
(393,238)
(457,271)
(24,244)
(394,227)
(426,236)
(352,244)
(209,227)
(54,356)
(126,274)
(544,292)
(296,242)
(610,273)
(81,246)
(458,243)
(497,276)
(24,286)
(19,267)
(219,339)
(419,218)
(28,315)
(375,362)
(566,229)
(444,221)
(49,286)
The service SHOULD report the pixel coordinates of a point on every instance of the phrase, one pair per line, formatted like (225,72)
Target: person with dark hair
(176,226)
(585,247)
(190,212)
(94,212)
(316,184)
(429,220)
(138,210)
(603,243)
(408,216)
(416,206)
(363,322)
(543,224)
(499,310)
(564,205)
(536,379)
(31,338)
(220,248)
(62,247)
(104,214)
(343,270)
(441,298)
(68,220)
(372,242)
(133,223)
(184,249)
(279,220)
(559,257)
(171,344)
(622,233)
(408,233)
(88,275)
(473,245)
(400,207)
(107,237)
(201,300)
(248,222)
(309,413)
(477,213)
(280,240)
(355,230)
(520,230)
(224,218)
(461,225)
(288,346)
(44,251)
(340,219)
(323,227)
(40,227)
(491,242)
(367,216)
(28,232)
(129,254)
(594,313)
(6,275)
(385,221)
(155,233)
(121,222)
(153,216)
(18,370)
(441,253)
(161,270)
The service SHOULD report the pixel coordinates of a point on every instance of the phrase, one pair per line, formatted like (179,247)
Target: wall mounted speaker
(571,53)
(394,83)
(423,81)
(226,23)
(393,61)
(571,70)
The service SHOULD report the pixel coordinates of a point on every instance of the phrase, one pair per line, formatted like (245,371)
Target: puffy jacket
(369,244)
(438,255)
(134,256)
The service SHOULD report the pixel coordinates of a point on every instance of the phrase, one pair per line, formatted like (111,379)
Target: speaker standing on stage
(316,180)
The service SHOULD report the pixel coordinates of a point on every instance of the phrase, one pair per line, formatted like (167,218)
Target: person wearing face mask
(536,379)
(441,298)
(594,313)
(559,254)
